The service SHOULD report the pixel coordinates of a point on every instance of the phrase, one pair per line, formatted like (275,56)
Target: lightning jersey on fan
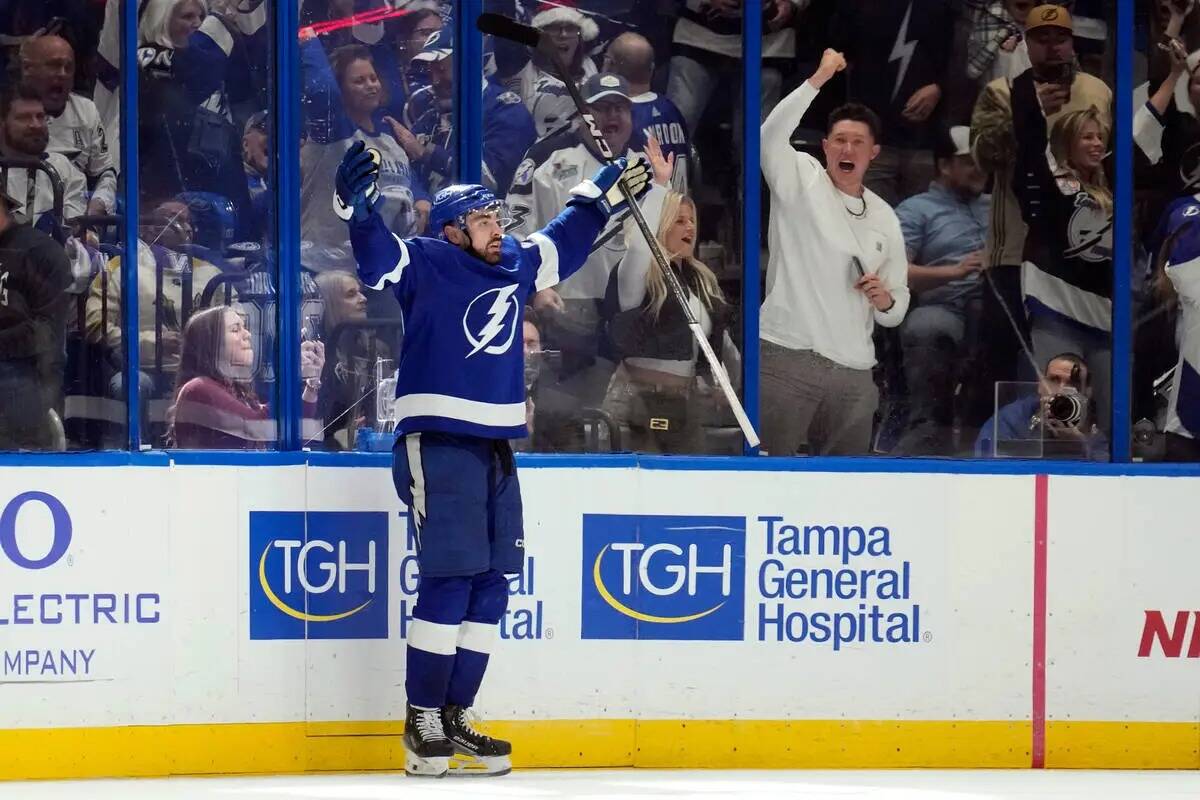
(78,134)
(1068,268)
(543,184)
(507,134)
(655,115)
(462,362)
(1183,413)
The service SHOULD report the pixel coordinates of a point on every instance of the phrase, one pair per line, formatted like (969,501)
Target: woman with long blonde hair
(1066,202)
(656,392)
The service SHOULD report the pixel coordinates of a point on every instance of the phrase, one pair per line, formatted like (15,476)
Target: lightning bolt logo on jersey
(502,315)
(461,368)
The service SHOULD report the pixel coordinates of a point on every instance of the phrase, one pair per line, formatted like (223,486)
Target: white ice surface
(642,785)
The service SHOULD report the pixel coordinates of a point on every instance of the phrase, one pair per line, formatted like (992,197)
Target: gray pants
(810,403)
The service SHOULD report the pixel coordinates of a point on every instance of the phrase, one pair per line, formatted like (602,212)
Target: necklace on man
(857,214)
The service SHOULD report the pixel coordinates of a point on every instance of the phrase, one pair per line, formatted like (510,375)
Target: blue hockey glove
(604,188)
(355,190)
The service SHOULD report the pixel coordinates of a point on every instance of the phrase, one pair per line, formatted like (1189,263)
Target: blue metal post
(468,96)
(129,234)
(751,210)
(286,180)
(1122,318)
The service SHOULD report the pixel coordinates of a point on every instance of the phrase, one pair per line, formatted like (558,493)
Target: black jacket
(34,276)
(637,333)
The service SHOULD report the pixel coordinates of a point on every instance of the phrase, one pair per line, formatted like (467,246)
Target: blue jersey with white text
(462,364)
(655,115)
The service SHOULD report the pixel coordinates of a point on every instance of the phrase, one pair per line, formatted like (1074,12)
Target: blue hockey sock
(476,636)
(433,639)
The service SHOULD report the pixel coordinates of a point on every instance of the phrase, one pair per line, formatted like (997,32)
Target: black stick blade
(504,28)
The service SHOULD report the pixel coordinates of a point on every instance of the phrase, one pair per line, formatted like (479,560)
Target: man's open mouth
(846,166)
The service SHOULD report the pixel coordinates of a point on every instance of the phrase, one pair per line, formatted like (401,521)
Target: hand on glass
(922,103)
(663,168)
(876,292)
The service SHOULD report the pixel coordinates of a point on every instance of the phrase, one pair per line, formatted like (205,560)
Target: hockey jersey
(546,96)
(1183,268)
(78,134)
(542,184)
(1068,268)
(462,364)
(655,115)
(37,197)
(507,133)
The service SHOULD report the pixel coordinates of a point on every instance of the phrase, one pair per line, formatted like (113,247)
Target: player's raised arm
(381,255)
(564,243)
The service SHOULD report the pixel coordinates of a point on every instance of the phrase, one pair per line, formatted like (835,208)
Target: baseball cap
(605,84)
(439,45)
(1049,16)
(954,141)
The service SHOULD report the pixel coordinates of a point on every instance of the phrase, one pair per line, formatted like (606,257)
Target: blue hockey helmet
(452,205)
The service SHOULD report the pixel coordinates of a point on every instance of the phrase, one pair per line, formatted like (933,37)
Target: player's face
(614,117)
(185,20)
(1087,151)
(849,150)
(238,340)
(52,72)
(254,150)
(361,88)
(486,232)
(680,238)
(25,127)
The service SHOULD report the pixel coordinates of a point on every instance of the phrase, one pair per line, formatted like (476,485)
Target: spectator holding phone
(837,266)
(215,405)
(1067,264)
(1061,89)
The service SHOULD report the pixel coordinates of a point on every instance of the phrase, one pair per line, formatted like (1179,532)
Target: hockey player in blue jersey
(460,396)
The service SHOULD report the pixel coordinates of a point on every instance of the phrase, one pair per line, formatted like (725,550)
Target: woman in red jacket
(215,404)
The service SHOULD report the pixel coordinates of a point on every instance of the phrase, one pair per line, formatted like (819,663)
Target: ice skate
(427,751)
(475,754)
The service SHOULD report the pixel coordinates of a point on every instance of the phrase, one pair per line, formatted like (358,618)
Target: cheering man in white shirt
(837,266)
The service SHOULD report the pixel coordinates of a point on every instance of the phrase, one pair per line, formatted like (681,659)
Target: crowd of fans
(937,240)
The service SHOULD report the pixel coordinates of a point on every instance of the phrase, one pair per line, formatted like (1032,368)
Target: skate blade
(416,767)
(467,766)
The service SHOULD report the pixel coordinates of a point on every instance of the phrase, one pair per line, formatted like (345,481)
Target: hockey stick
(505,28)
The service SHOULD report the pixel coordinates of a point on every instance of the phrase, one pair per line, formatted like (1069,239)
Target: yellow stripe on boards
(1124,745)
(239,748)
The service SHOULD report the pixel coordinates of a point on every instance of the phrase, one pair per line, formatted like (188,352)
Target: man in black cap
(571,310)
(34,276)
